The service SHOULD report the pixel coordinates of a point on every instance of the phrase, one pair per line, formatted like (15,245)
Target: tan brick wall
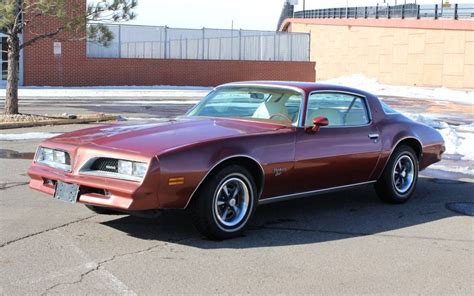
(424,53)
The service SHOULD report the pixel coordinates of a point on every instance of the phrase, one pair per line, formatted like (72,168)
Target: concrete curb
(58,122)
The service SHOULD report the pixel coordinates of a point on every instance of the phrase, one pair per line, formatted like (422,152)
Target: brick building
(58,62)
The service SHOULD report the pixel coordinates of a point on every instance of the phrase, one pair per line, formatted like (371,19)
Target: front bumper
(96,190)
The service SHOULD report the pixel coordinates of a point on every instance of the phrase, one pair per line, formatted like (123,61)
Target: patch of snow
(427,120)
(458,139)
(26,136)
(373,86)
(114,91)
(161,102)
(458,143)
(126,118)
(453,169)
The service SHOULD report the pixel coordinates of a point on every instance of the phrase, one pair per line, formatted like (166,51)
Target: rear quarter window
(387,109)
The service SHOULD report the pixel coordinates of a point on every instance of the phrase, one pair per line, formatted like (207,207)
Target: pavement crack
(44,231)
(7,185)
(81,278)
(100,264)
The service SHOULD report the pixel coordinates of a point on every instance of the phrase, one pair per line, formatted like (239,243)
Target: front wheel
(398,180)
(224,203)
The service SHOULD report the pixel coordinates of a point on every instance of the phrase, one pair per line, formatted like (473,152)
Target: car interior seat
(269,108)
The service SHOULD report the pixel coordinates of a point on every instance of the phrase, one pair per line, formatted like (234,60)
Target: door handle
(373,136)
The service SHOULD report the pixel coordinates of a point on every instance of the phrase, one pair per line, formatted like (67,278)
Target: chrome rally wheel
(225,203)
(232,201)
(398,180)
(403,174)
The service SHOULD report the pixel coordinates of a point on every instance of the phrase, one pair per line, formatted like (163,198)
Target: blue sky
(246,14)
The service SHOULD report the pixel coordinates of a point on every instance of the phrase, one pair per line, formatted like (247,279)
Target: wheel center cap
(404,174)
(232,202)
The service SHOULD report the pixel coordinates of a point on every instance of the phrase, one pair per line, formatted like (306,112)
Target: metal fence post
(203,40)
(456,11)
(365,12)
(418,12)
(220,51)
(436,12)
(347,12)
(240,44)
(403,11)
(389,12)
(291,47)
(181,46)
(275,46)
(260,46)
(186,48)
(377,11)
(119,41)
(355,13)
(166,42)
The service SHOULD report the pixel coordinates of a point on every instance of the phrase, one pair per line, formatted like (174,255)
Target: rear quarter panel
(394,128)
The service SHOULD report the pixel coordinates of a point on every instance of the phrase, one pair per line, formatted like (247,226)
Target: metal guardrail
(150,42)
(455,11)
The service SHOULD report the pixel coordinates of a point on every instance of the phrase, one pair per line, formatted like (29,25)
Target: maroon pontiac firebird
(244,144)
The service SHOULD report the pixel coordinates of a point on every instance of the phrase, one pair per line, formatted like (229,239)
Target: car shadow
(336,216)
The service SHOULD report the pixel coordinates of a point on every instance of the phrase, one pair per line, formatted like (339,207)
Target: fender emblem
(279,171)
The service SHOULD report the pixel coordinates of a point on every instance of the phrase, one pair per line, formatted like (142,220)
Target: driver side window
(340,109)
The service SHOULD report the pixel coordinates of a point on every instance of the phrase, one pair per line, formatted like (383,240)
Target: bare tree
(35,17)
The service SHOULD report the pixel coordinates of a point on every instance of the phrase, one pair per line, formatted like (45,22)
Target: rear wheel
(398,180)
(224,203)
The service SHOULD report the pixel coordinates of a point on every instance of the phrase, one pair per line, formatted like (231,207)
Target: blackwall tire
(399,178)
(225,203)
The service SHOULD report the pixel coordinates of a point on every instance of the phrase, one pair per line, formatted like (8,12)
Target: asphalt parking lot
(341,243)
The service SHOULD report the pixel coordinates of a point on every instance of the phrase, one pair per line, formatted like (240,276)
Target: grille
(105,164)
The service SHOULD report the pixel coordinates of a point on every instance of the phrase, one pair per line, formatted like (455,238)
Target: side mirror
(318,122)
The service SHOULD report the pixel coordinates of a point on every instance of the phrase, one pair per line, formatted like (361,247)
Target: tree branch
(42,36)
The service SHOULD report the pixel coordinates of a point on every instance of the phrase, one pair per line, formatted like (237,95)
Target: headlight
(125,167)
(59,156)
(53,158)
(139,169)
(132,168)
(46,154)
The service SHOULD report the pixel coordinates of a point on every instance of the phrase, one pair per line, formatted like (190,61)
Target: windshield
(265,103)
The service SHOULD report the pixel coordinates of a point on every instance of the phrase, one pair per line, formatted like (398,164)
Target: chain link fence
(150,42)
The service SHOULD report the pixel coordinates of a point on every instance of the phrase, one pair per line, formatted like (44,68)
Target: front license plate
(66,192)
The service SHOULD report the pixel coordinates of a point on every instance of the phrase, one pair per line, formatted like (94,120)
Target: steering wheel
(282,116)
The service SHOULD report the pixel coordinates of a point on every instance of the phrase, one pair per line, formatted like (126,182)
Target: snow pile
(26,136)
(458,139)
(373,86)
(458,142)
(429,121)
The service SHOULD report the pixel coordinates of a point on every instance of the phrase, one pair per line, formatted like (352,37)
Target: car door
(343,153)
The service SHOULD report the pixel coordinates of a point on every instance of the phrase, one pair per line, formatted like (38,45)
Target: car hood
(156,138)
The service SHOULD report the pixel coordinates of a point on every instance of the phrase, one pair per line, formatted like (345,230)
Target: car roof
(305,86)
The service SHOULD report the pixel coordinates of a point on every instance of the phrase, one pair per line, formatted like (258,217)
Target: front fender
(183,169)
